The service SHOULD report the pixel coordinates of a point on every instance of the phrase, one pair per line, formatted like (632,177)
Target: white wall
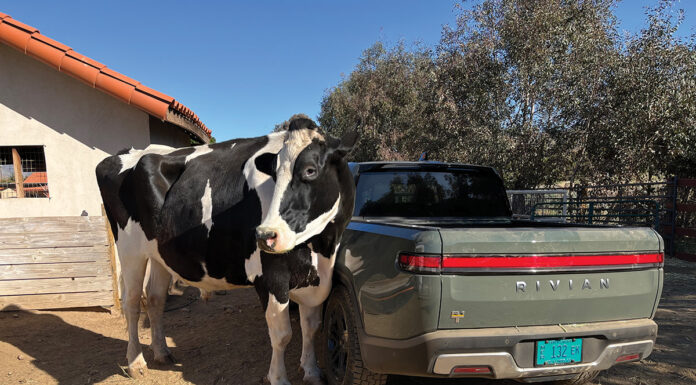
(78,126)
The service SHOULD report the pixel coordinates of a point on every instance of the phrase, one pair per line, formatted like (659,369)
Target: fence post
(590,213)
(673,241)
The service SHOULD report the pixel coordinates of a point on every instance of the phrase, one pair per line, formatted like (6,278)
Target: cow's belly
(133,244)
(209,283)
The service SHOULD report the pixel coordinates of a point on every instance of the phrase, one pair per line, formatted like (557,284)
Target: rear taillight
(471,370)
(420,263)
(423,263)
(629,358)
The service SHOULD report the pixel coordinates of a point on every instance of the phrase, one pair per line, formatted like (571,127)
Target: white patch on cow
(319,223)
(316,295)
(207,203)
(252,266)
(132,241)
(130,159)
(198,151)
(259,181)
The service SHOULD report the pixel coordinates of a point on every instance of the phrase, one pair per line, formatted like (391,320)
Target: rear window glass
(418,194)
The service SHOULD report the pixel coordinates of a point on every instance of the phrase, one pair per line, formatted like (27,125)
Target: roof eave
(191,128)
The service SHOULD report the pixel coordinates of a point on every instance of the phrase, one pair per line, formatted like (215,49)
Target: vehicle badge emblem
(457,315)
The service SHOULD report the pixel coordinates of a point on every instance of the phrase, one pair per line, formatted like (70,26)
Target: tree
(546,91)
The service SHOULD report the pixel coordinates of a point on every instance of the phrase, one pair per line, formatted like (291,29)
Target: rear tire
(340,349)
(581,379)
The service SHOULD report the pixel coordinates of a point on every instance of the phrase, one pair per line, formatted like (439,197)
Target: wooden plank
(686,207)
(686,256)
(40,240)
(685,232)
(50,224)
(56,270)
(112,260)
(54,285)
(56,301)
(54,255)
(19,177)
(686,182)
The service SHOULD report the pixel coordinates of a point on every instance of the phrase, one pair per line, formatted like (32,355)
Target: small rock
(15,315)
(185,309)
(228,309)
(20,357)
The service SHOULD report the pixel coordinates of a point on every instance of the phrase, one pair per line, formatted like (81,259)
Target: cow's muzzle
(267,239)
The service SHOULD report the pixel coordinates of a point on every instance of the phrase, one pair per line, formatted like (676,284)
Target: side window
(23,172)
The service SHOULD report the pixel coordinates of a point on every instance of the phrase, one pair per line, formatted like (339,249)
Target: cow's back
(192,206)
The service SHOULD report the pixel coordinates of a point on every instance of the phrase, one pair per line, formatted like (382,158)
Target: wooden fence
(55,262)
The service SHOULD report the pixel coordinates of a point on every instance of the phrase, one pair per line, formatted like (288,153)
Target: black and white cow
(266,211)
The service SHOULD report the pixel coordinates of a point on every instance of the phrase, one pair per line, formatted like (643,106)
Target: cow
(266,211)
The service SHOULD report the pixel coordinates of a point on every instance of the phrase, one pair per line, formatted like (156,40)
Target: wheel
(582,378)
(340,348)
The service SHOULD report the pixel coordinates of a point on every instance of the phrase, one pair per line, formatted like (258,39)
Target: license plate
(557,352)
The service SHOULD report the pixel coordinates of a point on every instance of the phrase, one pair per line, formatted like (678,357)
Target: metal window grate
(32,172)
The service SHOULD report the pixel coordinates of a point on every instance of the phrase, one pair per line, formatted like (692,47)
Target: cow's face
(307,192)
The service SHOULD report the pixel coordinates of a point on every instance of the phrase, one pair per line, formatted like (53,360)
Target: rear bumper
(508,352)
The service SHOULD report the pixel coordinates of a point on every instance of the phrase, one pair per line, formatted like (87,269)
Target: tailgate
(496,277)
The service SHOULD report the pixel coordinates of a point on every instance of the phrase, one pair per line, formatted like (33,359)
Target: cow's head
(307,193)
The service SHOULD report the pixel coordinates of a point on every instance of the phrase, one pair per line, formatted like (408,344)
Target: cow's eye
(310,173)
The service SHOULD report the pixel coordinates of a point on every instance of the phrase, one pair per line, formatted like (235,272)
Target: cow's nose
(266,236)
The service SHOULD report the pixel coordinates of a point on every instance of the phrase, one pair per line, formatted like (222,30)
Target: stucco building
(61,113)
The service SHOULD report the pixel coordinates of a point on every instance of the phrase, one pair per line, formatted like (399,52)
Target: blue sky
(244,66)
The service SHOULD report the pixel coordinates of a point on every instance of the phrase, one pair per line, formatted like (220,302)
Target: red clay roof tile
(36,177)
(61,57)
(51,42)
(44,52)
(79,69)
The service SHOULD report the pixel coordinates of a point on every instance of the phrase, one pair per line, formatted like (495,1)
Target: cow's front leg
(310,320)
(278,319)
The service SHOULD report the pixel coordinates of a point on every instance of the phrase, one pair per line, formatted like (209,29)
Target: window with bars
(23,172)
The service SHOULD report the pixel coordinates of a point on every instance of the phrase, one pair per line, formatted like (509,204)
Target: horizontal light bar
(536,261)
(436,264)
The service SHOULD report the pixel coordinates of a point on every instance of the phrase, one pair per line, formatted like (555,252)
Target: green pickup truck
(434,278)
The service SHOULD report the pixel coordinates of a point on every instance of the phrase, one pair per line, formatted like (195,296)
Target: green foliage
(546,91)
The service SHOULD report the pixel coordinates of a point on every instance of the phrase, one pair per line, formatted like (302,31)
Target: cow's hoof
(314,381)
(138,368)
(166,359)
(313,376)
(137,372)
(280,381)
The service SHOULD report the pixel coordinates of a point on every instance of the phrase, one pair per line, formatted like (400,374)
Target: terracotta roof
(63,58)
(36,177)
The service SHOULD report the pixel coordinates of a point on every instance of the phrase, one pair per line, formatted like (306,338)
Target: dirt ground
(225,341)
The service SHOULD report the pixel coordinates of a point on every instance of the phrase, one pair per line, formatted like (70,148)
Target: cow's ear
(266,163)
(345,145)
